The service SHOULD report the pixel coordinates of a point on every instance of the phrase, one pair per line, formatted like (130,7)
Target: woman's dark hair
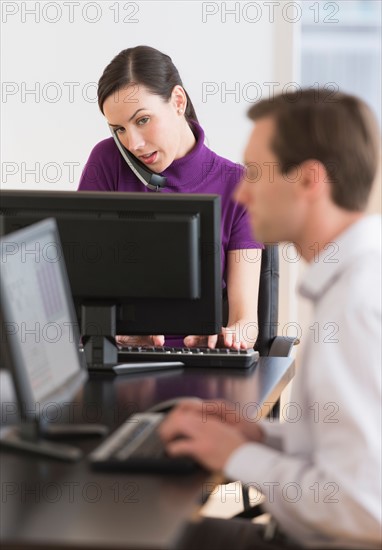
(146,66)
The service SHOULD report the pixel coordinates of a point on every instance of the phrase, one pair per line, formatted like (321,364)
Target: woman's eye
(143,120)
(119,130)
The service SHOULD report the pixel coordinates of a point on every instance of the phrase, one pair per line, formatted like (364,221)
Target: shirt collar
(189,171)
(361,238)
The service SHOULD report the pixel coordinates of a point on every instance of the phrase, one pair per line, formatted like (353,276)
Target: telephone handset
(153,181)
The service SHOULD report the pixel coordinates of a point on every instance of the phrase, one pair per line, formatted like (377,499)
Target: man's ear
(314,178)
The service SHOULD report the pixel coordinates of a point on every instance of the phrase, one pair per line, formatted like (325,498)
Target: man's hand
(224,412)
(140,340)
(210,442)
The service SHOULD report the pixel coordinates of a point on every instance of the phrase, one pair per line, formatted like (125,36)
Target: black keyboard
(136,446)
(192,357)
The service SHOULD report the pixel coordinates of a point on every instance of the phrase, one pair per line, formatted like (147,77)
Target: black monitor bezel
(208,205)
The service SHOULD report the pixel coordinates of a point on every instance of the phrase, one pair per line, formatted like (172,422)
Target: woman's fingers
(212,340)
(194,341)
(232,337)
(156,340)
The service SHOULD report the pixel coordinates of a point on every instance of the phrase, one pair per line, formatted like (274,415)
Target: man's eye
(143,120)
(251,173)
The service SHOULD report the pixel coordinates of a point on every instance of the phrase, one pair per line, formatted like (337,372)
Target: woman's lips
(149,159)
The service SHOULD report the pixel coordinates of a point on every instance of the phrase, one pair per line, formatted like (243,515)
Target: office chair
(268,343)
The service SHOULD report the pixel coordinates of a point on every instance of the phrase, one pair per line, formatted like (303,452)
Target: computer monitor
(39,335)
(138,263)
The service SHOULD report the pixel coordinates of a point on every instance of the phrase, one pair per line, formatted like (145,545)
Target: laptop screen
(38,316)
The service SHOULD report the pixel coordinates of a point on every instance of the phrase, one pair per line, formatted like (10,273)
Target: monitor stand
(98,330)
(30,436)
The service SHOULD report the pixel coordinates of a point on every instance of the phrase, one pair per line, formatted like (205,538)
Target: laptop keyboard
(136,446)
(192,357)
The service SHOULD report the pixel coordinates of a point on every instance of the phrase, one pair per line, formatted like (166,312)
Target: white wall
(54,49)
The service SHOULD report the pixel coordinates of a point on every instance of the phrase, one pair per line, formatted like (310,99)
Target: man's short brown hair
(337,129)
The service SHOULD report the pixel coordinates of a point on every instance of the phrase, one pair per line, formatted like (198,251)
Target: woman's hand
(140,340)
(242,287)
(241,335)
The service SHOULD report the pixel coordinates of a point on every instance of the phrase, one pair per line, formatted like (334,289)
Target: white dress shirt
(320,469)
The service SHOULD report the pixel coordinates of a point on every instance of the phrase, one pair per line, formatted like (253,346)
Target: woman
(143,99)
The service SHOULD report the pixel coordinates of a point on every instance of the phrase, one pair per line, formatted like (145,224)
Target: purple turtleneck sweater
(200,171)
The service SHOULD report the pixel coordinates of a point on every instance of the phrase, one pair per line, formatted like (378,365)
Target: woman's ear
(179,99)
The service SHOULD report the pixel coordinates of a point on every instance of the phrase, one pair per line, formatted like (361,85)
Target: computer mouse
(166,406)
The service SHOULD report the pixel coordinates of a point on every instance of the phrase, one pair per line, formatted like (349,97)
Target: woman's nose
(133,141)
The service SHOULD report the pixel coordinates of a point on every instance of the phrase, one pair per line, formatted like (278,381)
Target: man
(311,161)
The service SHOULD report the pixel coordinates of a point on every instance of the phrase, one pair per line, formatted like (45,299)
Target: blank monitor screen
(156,256)
(39,331)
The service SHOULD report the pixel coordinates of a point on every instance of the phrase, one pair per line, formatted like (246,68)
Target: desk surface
(47,503)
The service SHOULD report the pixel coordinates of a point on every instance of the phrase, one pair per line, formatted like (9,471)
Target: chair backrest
(268,300)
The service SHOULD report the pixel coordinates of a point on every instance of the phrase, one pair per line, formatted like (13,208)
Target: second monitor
(138,263)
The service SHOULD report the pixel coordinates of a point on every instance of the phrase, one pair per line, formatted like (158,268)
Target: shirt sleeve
(274,432)
(327,480)
(241,234)
(235,215)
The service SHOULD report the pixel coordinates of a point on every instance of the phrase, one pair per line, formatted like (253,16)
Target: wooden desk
(51,504)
